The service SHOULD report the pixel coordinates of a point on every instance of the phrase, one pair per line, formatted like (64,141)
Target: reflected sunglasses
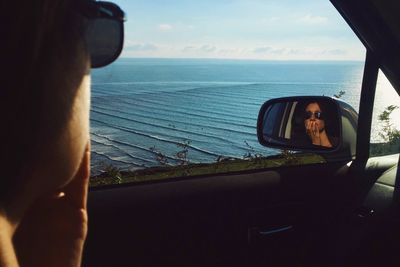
(104,33)
(317,115)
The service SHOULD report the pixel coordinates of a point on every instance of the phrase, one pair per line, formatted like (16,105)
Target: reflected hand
(53,230)
(312,129)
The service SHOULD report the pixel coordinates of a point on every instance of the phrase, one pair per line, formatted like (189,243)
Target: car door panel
(369,234)
(220,220)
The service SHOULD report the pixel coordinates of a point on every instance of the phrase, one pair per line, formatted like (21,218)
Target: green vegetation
(114,176)
(340,94)
(389,135)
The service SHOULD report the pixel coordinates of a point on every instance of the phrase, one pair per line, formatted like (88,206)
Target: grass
(114,176)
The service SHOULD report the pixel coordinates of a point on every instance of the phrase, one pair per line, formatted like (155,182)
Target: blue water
(144,106)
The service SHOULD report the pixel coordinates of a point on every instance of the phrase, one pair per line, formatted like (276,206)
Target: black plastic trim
(368,87)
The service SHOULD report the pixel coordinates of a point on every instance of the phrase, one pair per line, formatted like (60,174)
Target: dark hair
(44,61)
(321,107)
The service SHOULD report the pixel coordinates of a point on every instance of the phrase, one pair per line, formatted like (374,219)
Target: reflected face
(312,109)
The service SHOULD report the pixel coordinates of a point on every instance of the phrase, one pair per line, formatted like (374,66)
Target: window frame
(369,80)
(367,100)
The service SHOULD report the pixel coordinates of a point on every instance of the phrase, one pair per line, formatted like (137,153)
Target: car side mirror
(310,124)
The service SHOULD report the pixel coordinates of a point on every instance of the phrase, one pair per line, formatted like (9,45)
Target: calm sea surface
(144,106)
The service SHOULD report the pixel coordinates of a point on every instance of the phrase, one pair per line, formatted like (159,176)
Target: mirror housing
(293,123)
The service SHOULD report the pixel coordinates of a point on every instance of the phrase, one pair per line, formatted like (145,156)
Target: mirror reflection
(305,123)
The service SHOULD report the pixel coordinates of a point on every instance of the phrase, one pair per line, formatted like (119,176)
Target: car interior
(343,212)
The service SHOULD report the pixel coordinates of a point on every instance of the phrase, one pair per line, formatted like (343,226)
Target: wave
(210,153)
(160,114)
(176,120)
(119,149)
(151,104)
(171,128)
(148,150)
(114,159)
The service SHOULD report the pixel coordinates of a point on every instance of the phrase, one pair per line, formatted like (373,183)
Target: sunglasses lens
(104,38)
(309,114)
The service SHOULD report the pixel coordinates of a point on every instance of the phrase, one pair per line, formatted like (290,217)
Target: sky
(238,29)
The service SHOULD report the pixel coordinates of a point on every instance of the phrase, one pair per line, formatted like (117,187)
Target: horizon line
(248,59)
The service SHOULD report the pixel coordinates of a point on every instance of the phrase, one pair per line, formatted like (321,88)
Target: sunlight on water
(385,96)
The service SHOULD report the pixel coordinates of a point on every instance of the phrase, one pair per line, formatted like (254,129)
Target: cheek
(67,153)
(78,129)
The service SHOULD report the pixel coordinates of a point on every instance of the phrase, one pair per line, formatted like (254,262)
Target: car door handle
(364,212)
(257,233)
(266,232)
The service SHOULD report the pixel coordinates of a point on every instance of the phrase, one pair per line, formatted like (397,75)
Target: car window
(385,134)
(184,97)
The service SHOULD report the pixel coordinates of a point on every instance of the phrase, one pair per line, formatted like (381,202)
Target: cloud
(140,47)
(188,48)
(310,19)
(165,27)
(269,50)
(295,51)
(262,50)
(208,48)
(335,52)
(229,51)
(278,51)
(202,49)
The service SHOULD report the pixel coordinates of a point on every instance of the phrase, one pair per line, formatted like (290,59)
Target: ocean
(144,108)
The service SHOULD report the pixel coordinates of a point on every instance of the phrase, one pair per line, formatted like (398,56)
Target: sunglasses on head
(309,114)
(104,33)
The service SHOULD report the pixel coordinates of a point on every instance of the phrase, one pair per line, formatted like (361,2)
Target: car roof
(377,24)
